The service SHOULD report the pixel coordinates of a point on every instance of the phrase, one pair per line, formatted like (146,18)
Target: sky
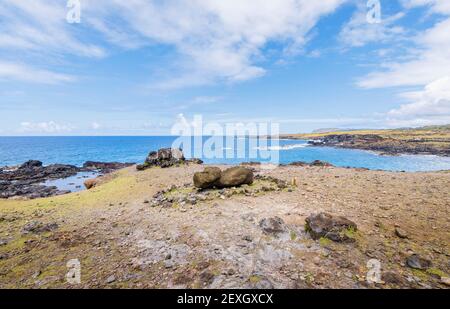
(137,67)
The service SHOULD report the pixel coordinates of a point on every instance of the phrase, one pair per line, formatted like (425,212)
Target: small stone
(416,262)
(274,225)
(247,238)
(111,279)
(168,264)
(146,202)
(445,280)
(391,277)
(37,274)
(401,233)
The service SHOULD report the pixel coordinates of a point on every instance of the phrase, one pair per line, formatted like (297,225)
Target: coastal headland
(433,140)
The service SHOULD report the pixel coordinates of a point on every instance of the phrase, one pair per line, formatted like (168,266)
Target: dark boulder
(31,164)
(321,163)
(274,225)
(36,227)
(105,167)
(236,176)
(208,178)
(164,158)
(336,228)
(417,262)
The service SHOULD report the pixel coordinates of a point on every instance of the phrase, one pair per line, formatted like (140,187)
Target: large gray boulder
(236,176)
(165,157)
(208,178)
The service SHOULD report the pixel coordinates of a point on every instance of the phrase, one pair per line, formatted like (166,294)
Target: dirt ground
(122,240)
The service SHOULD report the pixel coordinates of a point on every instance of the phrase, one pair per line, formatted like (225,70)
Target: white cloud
(433,101)
(23,72)
(40,25)
(95,126)
(50,127)
(359,32)
(428,60)
(206,100)
(216,40)
(437,6)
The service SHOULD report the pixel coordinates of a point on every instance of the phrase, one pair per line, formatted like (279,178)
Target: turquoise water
(77,150)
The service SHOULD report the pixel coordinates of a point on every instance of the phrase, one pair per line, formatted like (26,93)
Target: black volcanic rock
(104,167)
(26,180)
(164,158)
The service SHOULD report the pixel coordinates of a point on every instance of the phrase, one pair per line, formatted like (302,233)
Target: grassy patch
(436,272)
(293,235)
(254,279)
(325,242)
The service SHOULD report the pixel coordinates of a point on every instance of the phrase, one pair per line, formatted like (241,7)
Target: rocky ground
(125,233)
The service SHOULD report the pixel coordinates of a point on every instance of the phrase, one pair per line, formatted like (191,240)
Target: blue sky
(137,67)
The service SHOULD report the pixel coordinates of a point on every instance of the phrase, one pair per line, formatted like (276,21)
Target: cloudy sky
(133,67)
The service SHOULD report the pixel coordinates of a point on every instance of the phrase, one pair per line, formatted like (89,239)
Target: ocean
(77,150)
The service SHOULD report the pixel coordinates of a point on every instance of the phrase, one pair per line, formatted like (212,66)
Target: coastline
(422,141)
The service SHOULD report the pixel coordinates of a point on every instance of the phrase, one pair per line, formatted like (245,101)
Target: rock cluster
(214,177)
(165,157)
(384,145)
(314,163)
(36,227)
(186,195)
(104,167)
(338,229)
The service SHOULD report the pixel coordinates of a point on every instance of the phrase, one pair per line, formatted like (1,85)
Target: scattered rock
(104,167)
(36,227)
(321,163)
(400,233)
(338,229)
(3,242)
(314,163)
(110,279)
(274,225)
(416,262)
(195,161)
(391,277)
(445,280)
(206,277)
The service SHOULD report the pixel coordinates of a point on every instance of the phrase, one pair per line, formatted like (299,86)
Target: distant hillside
(424,140)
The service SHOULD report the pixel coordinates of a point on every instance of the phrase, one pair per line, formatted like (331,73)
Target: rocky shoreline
(26,180)
(380,144)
